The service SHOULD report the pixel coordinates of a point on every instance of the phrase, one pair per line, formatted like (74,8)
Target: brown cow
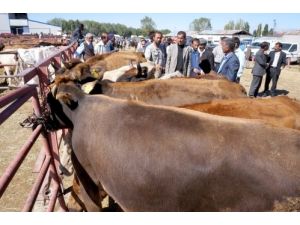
(172,159)
(173,92)
(280,111)
(99,64)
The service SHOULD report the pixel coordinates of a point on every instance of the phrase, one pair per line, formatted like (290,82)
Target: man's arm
(148,53)
(168,61)
(259,58)
(232,70)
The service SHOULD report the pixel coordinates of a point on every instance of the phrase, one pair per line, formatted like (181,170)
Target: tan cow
(280,111)
(173,92)
(157,158)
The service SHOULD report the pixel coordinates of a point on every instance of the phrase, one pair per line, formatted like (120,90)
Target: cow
(159,158)
(10,62)
(172,92)
(116,63)
(280,111)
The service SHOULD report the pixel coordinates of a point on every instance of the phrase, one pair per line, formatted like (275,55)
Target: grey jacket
(172,60)
(260,64)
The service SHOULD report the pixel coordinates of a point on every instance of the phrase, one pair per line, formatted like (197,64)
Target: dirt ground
(13,136)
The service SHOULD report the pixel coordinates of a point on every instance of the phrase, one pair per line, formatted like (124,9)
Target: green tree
(165,31)
(201,24)
(247,27)
(56,22)
(259,31)
(255,33)
(271,32)
(266,30)
(239,25)
(147,24)
(229,25)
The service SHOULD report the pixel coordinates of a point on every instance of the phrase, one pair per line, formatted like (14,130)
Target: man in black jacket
(277,62)
(205,53)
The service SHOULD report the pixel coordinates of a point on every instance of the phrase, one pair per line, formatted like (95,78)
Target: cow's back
(175,92)
(167,159)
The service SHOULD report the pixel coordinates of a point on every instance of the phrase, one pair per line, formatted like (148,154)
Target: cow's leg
(7,71)
(74,203)
(66,166)
(90,192)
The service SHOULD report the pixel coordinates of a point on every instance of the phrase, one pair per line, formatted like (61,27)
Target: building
(213,36)
(18,23)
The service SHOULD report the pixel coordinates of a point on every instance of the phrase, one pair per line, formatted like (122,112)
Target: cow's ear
(67,99)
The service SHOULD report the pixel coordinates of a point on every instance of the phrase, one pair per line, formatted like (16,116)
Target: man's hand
(196,71)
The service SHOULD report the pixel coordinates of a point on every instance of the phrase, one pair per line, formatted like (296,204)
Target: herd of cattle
(181,144)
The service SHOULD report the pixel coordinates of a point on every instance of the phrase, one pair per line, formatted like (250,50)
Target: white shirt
(276,58)
(218,53)
(241,56)
(155,54)
(201,52)
(100,48)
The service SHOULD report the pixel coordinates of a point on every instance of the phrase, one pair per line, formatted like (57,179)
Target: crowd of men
(174,55)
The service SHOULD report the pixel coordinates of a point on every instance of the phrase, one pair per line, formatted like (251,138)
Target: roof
(44,23)
(226,32)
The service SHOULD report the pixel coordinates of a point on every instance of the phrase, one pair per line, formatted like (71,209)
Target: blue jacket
(230,66)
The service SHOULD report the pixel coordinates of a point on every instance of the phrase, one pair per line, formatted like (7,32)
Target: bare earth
(13,136)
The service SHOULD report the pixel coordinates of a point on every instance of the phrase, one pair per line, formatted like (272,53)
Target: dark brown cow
(172,159)
(279,111)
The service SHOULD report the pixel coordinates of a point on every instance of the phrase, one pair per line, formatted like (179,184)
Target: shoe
(251,96)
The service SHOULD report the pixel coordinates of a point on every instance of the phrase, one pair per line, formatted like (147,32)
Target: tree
(239,25)
(201,24)
(229,25)
(147,24)
(258,31)
(56,22)
(255,33)
(247,27)
(271,32)
(165,31)
(266,30)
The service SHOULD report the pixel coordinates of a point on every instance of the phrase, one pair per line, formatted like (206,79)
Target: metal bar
(16,163)
(6,113)
(2,65)
(4,100)
(39,161)
(53,198)
(28,74)
(36,187)
(46,139)
(9,76)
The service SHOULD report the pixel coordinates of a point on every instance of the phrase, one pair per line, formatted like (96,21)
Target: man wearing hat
(206,54)
(86,49)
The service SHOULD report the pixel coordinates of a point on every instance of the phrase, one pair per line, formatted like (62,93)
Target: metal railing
(12,102)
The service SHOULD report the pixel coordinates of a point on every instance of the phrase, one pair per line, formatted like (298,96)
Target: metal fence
(49,153)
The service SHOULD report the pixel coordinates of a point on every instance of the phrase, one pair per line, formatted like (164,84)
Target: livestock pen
(46,166)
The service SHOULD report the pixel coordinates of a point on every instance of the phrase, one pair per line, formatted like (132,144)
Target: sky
(180,21)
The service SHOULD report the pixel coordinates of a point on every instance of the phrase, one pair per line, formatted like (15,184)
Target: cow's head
(62,99)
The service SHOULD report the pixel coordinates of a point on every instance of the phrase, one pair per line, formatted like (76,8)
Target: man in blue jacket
(230,63)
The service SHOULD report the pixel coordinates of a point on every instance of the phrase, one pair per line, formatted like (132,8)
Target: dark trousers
(255,85)
(217,65)
(272,74)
